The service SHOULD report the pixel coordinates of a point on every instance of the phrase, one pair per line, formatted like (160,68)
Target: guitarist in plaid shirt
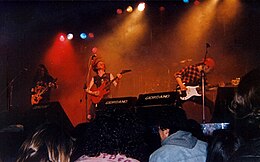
(191,76)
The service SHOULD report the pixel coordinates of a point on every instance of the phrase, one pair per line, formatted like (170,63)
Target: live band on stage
(191,82)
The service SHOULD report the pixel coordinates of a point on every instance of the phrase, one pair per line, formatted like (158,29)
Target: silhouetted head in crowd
(49,142)
(113,132)
(174,119)
(246,105)
(223,146)
(177,142)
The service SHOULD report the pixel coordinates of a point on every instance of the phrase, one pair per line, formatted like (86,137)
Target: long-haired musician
(43,82)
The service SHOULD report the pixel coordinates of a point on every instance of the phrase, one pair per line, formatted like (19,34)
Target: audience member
(246,106)
(49,142)
(223,146)
(177,143)
(114,135)
(195,128)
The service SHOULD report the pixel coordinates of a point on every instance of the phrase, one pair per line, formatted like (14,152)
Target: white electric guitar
(190,92)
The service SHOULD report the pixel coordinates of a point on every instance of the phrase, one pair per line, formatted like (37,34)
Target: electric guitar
(103,89)
(40,90)
(191,91)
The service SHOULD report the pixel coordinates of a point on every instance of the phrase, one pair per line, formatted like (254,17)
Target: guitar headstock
(125,71)
(54,80)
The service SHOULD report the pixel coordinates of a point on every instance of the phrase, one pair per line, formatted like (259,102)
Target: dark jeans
(198,100)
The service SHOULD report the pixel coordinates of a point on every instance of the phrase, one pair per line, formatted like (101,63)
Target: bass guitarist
(43,82)
(191,76)
(101,78)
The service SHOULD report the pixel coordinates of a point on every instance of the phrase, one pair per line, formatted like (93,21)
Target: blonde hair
(48,143)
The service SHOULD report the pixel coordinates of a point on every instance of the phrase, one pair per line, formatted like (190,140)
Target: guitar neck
(45,89)
(110,82)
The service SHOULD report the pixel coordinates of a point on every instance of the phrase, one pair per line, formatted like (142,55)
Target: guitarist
(96,81)
(192,75)
(41,81)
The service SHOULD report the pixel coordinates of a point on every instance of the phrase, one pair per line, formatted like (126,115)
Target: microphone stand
(9,88)
(90,62)
(203,84)
(203,94)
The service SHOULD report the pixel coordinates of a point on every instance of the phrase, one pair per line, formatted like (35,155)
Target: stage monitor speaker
(157,99)
(149,106)
(151,115)
(117,103)
(47,113)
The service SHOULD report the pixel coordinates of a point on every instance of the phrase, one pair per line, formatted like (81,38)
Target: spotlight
(91,35)
(70,36)
(141,6)
(196,2)
(129,9)
(83,35)
(119,11)
(186,1)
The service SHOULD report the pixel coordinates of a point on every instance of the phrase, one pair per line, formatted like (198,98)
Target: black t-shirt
(43,82)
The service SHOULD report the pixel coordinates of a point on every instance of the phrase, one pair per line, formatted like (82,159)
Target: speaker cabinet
(47,113)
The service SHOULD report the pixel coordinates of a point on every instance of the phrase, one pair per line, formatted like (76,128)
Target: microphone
(93,56)
(207,45)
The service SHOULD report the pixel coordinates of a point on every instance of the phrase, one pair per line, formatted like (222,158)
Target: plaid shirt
(190,75)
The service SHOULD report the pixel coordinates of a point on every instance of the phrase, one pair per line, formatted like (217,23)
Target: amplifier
(121,102)
(157,99)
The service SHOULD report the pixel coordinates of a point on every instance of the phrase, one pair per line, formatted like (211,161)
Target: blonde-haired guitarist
(99,86)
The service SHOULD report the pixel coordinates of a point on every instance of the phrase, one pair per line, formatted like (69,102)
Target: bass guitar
(39,91)
(103,89)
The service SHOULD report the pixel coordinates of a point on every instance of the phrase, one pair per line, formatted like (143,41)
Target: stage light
(70,36)
(119,11)
(141,6)
(62,38)
(196,2)
(91,35)
(83,35)
(186,1)
(129,9)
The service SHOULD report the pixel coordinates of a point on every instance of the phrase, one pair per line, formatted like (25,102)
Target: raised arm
(119,76)
(88,90)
